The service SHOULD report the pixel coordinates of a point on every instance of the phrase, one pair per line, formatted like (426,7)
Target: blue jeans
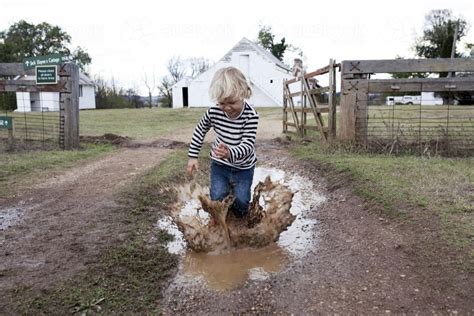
(227,180)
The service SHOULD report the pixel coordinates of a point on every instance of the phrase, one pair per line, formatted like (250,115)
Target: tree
(438,34)
(176,71)
(165,88)
(198,65)
(150,84)
(176,68)
(266,39)
(23,39)
(109,96)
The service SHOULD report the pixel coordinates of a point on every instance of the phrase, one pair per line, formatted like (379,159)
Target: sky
(128,39)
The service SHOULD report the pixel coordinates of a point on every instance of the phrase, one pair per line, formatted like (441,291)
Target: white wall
(267,79)
(178,94)
(23,102)
(49,101)
(198,90)
(87,101)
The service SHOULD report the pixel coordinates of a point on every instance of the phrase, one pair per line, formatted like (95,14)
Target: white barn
(264,72)
(49,101)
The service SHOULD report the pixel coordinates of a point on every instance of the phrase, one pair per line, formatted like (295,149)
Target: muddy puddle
(253,252)
(10,217)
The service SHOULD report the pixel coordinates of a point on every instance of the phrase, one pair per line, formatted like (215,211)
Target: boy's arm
(199,133)
(247,145)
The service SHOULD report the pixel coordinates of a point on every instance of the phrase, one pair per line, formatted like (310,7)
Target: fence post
(69,106)
(285,105)
(302,101)
(332,100)
(347,107)
(354,101)
(361,119)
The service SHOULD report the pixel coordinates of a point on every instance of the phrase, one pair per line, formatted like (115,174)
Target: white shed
(264,72)
(49,101)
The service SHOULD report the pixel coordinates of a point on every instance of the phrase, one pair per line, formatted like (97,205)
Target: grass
(130,276)
(442,187)
(138,123)
(18,165)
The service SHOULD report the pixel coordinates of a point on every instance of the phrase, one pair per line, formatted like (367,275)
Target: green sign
(53,59)
(6,122)
(46,75)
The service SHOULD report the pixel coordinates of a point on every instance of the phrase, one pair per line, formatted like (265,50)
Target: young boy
(233,153)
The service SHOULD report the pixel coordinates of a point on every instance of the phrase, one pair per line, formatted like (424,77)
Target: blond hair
(229,83)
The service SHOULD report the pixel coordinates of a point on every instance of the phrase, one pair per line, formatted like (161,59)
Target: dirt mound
(107,138)
(159,143)
(216,230)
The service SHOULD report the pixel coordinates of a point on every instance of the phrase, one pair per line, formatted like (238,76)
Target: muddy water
(232,267)
(225,271)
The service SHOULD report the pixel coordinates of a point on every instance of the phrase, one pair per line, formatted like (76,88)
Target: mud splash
(231,268)
(269,215)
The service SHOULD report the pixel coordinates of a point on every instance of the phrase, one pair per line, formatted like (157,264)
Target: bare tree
(150,85)
(198,65)
(176,68)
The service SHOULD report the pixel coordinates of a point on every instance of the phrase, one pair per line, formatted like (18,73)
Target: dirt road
(362,263)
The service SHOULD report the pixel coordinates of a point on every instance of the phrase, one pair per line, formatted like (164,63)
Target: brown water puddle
(233,267)
(225,271)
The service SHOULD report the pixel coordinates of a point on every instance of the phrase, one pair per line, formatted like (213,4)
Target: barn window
(80,91)
(271,80)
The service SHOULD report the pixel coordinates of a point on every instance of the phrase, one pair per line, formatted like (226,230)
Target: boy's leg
(242,183)
(219,182)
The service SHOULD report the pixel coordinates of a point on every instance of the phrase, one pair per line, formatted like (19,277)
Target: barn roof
(245,45)
(85,80)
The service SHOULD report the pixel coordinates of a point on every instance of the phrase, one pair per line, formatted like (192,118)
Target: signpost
(7,123)
(46,75)
(52,59)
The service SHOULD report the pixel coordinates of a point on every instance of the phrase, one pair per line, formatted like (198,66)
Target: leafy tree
(166,91)
(266,39)
(23,39)
(438,34)
(109,96)
(7,101)
(437,39)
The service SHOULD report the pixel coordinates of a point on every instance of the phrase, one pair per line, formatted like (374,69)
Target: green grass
(130,276)
(138,123)
(443,187)
(14,166)
(148,123)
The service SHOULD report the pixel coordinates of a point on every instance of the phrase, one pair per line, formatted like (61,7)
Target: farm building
(264,72)
(49,101)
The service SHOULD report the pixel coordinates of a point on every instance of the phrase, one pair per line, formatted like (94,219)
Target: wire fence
(420,124)
(33,127)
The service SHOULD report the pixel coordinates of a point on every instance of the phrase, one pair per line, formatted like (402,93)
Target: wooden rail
(356,86)
(309,104)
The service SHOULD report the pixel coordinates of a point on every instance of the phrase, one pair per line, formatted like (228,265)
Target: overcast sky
(128,38)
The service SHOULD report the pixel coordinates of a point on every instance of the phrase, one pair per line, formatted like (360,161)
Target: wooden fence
(305,95)
(447,128)
(66,129)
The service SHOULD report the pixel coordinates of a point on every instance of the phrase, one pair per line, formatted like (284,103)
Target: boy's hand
(222,151)
(192,166)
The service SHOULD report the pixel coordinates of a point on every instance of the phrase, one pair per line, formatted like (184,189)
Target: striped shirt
(238,134)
